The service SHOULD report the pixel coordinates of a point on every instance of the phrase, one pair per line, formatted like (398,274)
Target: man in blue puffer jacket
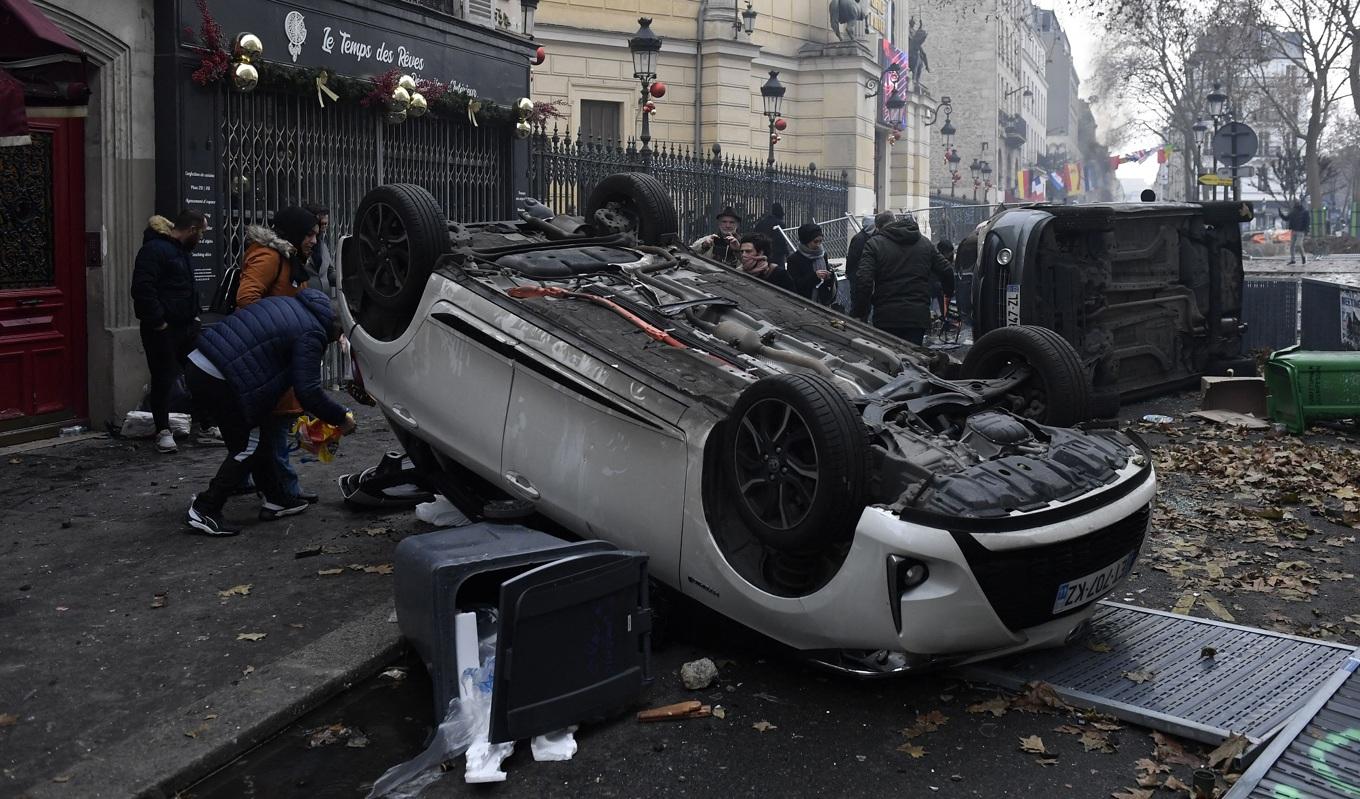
(240,369)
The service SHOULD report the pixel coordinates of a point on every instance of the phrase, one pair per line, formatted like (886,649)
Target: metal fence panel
(1326,323)
(1270,308)
(563,170)
(948,222)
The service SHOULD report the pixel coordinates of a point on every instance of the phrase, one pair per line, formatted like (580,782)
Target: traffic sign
(1239,172)
(1215,180)
(1235,144)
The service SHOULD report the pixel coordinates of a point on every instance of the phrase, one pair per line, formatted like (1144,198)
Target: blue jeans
(277,429)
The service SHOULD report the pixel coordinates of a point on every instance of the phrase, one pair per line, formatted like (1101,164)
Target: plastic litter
(441,513)
(140,424)
(560,745)
(1157,418)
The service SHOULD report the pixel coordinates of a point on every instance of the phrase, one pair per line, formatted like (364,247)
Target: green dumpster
(1308,386)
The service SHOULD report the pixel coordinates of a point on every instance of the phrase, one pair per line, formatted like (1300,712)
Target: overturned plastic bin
(574,637)
(1308,386)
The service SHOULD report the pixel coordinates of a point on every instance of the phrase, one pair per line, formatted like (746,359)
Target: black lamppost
(953,158)
(644,46)
(772,97)
(1201,141)
(1221,111)
(743,21)
(986,179)
(974,170)
(528,8)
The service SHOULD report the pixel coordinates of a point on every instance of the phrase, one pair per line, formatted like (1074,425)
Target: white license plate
(1094,585)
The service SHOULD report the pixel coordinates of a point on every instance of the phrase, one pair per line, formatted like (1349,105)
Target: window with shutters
(601,120)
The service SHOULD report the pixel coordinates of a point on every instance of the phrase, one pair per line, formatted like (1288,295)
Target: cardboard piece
(1233,419)
(1242,395)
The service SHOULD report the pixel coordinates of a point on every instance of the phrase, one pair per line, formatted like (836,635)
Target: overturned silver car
(841,491)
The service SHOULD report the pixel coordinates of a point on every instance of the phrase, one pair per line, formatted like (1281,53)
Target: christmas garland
(373,92)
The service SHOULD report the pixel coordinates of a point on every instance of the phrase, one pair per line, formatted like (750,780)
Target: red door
(42,279)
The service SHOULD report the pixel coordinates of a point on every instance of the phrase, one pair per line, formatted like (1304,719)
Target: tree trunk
(1189,149)
(1355,70)
(1313,163)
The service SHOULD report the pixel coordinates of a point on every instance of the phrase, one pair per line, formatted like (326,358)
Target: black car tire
(1057,393)
(401,231)
(637,200)
(796,460)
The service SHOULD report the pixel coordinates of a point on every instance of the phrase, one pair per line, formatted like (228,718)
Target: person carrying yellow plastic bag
(322,439)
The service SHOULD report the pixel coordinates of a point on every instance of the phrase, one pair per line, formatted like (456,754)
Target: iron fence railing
(563,170)
(949,220)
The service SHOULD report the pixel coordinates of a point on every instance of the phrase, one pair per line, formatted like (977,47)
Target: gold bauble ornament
(244,77)
(523,129)
(525,107)
(401,99)
(418,105)
(406,82)
(249,46)
(396,117)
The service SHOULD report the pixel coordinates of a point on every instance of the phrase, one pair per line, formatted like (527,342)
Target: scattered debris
(698,674)
(1096,646)
(250,636)
(329,572)
(763,726)
(1093,741)
(1158,418)
(236,590)
(689,709)
(1140,676)
(719,712)
(8,719)
(1173,784)
(62,778)
(1215,607)
(997,706)
(925,722)
(309,551)
(915,751)
(158,600)
(1132,793)
(1228,751)
(1039,696)
(336,733)
(1207,653)
(395,673)
(1170,751)
(1033,744)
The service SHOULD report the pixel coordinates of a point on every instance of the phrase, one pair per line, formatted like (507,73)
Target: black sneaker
(207,523)
(269,511)
(310,497)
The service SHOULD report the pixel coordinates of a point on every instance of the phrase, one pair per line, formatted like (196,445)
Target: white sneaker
(208,436)
(165,442)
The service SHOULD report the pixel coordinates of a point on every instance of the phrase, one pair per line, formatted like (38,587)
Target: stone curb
(164,758)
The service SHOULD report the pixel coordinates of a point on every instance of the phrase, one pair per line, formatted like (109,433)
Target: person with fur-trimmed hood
(275,265)
(165,299)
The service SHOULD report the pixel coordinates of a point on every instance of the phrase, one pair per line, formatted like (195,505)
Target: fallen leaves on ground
(1132,793)
(336,733)
(8,719)
(1033,744)
(158,600)
(377,568)
(329,572)
(1039,696)
(997,706)
(915,751)
(1095,646)
(236,590)
(1093,741)
(1215,607)
(1140,676)
(250,636)
(1149,772)
(925,722)
(763,726)
(1169,750)
(1228,751)
(1173,784)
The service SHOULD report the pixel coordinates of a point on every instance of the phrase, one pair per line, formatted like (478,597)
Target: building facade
(157,138)
(713,72)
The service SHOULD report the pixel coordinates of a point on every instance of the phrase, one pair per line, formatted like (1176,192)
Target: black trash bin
(574,635)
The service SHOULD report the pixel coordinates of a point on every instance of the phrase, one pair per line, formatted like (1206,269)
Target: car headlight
(1004,257)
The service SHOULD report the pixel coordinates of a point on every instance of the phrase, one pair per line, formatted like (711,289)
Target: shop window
(601,120)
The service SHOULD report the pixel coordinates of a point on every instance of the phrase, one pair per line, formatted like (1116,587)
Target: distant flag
(1073,178)
(1057,179)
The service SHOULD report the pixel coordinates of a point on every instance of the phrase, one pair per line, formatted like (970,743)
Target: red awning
(49,65)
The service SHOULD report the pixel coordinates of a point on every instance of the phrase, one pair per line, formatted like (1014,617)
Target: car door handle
(521,484)
(405,416)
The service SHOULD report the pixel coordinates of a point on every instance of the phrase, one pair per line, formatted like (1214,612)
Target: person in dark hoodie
(275,265)
(893,280)
(856,249)
(812,276)
(753,259)
(165,299)
(769,225)
(241,367)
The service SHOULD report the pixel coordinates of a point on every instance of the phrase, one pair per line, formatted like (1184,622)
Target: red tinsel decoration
(431,89)
(383,86)
(216,61)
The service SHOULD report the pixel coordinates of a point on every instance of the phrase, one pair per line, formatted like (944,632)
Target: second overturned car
(823,483)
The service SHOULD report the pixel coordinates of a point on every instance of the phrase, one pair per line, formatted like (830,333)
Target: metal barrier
(836,235)
(563,170)
(1270,309)
(945,221)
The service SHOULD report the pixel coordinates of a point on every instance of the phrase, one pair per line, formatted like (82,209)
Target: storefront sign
(361,42)
(200,194)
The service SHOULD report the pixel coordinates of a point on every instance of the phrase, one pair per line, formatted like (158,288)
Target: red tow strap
(526,292)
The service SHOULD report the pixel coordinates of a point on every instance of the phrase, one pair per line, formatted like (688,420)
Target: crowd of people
(894,272)
(251,375)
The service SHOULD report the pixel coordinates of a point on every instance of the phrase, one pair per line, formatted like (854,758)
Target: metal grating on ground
(1317,755)
(1252,685)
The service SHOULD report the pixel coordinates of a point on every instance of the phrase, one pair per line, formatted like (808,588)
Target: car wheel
(632,202)
(796,462)
(401,231)
(1056,392)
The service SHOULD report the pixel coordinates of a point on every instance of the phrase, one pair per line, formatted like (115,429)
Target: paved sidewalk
(135,657)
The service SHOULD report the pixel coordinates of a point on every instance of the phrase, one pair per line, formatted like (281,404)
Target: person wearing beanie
(893,280)
(812,275)
(770,225)
(275,265)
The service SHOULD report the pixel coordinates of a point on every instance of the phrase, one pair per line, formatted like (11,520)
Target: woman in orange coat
(275,265)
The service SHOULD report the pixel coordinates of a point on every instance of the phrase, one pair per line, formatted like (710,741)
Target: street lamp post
(771,100)
(953,158)
(528,8)
(974,169)
(644,47)
(986,180)
(1220,108)
(1201,140)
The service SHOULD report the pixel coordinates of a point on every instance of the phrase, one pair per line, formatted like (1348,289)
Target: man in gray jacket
(893,280)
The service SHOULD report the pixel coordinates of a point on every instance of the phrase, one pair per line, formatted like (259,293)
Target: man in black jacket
(893,280)
(165,300)
(241,368)
(769,225)
(1299,226)
(856,250)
